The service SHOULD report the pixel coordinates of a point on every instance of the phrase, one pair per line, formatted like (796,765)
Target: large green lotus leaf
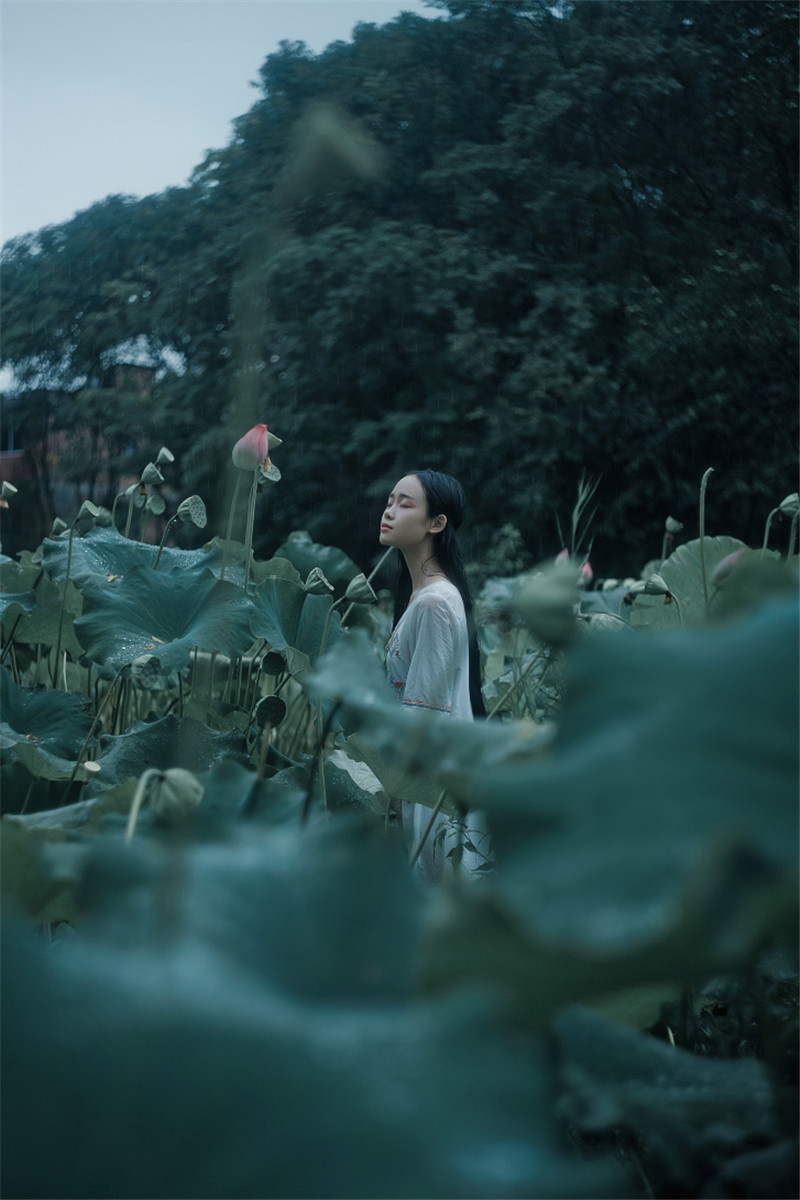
(276,968)
(682,572)
(170,742)
(103,556)
(335,565)
(41,627)
(687,1109)
(291,620)
(166,613)
(659,840)
(51,725)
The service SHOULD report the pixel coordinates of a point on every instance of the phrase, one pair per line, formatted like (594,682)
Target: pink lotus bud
(587,574)
(562,556)
(252,450)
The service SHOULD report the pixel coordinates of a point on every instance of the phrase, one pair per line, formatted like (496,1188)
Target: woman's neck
(423,567)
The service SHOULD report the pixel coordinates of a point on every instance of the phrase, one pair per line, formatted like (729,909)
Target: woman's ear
(438,523)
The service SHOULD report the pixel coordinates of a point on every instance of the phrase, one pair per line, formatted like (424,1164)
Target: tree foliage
(517,242)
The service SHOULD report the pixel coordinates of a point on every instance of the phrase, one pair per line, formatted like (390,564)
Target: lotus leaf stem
(93,726)
(129,516)
(793,534)
(167,528)
(10,643)
(766,531)
(262,758)
(318,764)
(139,797)
(248,533)
(702,530)
(145,512)
(437,808)
(525,671)
(370,578)
(63,604)
(229,533)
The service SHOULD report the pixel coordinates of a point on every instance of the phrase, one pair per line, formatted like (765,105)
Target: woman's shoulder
(441,594)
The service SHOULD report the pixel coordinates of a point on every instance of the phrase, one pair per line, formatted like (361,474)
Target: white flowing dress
(427,665)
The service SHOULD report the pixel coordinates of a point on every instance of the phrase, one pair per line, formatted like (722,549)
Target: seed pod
(359,590)
(175,794)
(155,504)
(317,584)
(146,670)
(88,512)
(269,474)
(273,663)
(151,474)
(672,525)
(269,711)
(790,505)
(655,586)
(164,456)
(192,511)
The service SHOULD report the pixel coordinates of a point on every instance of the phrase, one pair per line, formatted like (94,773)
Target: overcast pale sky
(107,96)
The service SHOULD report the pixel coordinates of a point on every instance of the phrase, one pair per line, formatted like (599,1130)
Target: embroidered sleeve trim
(425,704)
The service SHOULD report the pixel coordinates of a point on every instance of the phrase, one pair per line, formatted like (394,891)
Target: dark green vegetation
(512,243)
(221,979)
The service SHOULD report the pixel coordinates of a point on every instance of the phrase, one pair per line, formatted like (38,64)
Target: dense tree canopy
(518,243)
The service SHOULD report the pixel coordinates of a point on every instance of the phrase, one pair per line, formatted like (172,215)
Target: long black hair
(444,494)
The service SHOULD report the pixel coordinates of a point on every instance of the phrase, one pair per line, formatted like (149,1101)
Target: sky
(100,97)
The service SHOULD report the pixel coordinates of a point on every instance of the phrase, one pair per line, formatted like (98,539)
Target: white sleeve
(432,671)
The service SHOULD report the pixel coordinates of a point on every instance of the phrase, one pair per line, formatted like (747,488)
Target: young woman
(432,659)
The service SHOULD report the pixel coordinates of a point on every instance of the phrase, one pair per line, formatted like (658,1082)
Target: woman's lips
(385,528)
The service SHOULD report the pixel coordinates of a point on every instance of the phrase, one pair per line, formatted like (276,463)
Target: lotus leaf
(15,605)
(684,1107)
(41,626)
(291,620)
(166,613)
(659,839)
(683,574)
(44,729)
(169,742)
(104,556)
(281,969)
(234,570)
(306,554)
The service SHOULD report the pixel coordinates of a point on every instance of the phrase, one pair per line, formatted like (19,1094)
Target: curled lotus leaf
(164,613)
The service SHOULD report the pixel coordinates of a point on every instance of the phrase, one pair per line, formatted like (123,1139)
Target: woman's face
(405,522)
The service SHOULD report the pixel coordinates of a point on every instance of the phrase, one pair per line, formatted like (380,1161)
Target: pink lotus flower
(586,572)
(252,450)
